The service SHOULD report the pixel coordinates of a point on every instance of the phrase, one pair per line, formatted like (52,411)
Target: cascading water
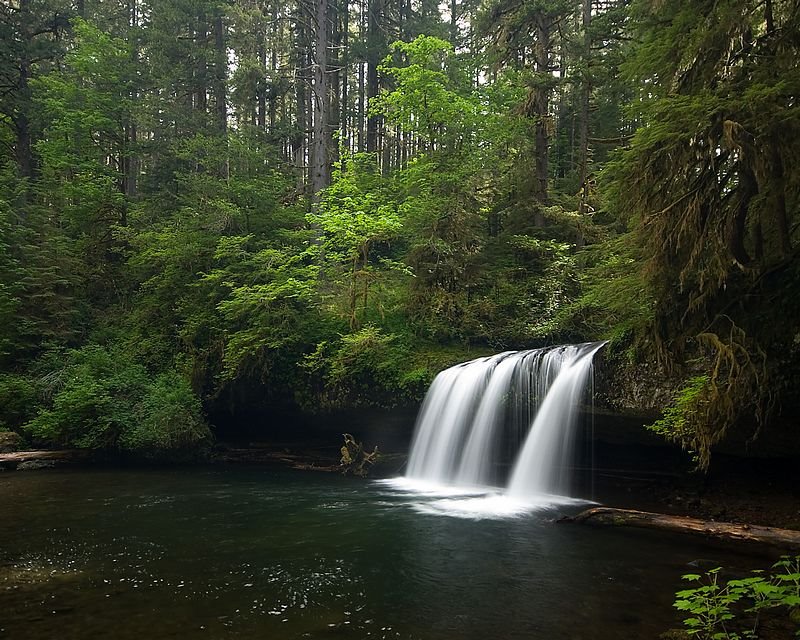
(472,408)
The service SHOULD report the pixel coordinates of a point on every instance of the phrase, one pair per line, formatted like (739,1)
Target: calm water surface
(263,553)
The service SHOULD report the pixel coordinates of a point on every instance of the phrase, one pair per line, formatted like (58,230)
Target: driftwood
(15,459)
(784,538)
(355,459)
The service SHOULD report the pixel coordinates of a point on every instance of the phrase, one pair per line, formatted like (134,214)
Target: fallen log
(42,459)
(783,538)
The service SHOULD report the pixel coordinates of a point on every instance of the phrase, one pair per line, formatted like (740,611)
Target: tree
(710,183)
(357,212)
(31,33)
(320,141)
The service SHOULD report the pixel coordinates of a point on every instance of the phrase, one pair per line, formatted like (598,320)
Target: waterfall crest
(517,406)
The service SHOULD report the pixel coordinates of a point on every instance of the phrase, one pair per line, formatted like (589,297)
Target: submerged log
(784,538)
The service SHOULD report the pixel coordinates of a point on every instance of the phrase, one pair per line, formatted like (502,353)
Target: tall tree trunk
(301,119)
(130,164)
(737,227)
(454,23)
(586,91)
(220,90)
(274,66)
(748,189)
(344,116)
(320,168)
(23,148)
(769,16)
(374,52)
(131,156)
(361,109)
(778,189)
(201,67)
(335,79)
(261,95)
(541,105)
(541,113)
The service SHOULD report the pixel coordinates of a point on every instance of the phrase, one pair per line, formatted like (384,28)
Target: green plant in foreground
(731,610)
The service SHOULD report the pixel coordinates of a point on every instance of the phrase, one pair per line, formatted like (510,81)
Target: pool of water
(271,553)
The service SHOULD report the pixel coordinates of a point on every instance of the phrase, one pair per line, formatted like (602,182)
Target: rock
(35,465)
(10,441)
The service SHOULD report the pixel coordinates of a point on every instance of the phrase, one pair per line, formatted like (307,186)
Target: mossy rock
(794,616)
(10,441)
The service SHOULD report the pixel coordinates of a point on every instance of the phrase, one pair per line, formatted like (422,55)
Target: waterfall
(525,400)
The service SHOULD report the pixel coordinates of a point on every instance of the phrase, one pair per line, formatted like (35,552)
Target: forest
(207,205)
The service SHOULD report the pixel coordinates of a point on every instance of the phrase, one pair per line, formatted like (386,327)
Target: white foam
(477,503)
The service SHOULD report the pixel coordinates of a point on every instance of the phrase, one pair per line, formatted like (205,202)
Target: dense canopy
(210,205)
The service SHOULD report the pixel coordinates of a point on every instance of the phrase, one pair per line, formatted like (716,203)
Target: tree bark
(586,92)
(778,187)
(454,23)
(23,146)
(748,189)
(301,119)
(607,516)
(261,95)
(344,115)
(335,80)
(201,67)
(320,167)
(374,51)
(220,89)
(541,114)
(131,158)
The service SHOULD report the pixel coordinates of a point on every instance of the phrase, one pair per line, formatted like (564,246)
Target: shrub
(731,610)
(99,398)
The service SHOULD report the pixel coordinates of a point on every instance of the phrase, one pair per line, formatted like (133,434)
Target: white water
(479,413)
(543,464)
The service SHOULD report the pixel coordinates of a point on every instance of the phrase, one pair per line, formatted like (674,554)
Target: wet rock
(35,465)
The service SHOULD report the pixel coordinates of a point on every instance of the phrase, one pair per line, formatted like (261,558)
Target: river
(261,553)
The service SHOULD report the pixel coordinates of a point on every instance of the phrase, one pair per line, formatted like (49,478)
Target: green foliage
(365,368)
(679,420)
(721,611)
(98,398)
(161,207)
(708,189)
(169,418)
(10,276)
(426,99)
(88,106)
(615,302)
(18,399)
(359,219)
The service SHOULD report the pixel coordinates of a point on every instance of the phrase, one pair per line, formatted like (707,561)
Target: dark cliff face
(636,390)
(630,395)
